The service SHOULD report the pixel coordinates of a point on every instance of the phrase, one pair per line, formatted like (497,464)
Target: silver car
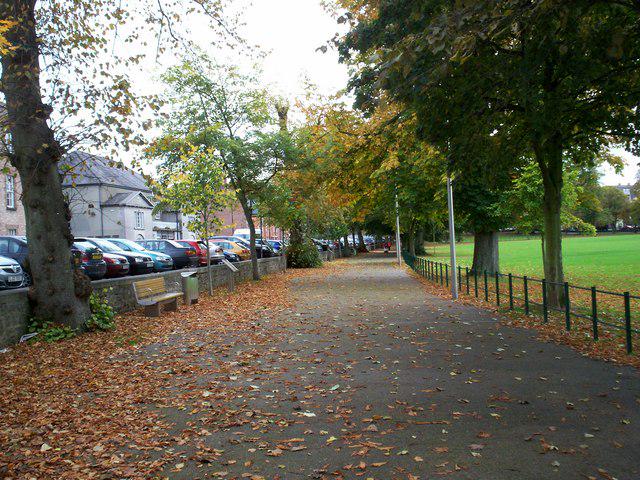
(11,274)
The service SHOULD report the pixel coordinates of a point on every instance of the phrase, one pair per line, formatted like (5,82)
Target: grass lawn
(610,262)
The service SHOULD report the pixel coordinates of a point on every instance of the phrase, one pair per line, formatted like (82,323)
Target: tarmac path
(370,377)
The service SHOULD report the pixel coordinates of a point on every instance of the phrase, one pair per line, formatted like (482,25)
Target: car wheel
(27,281)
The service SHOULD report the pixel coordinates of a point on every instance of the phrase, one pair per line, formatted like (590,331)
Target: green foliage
(303,255)
(192,181)
(102,314)
(523,202)
(50,331)
(615,205)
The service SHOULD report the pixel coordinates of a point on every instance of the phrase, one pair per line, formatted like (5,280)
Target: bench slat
(150,288)
(159,299)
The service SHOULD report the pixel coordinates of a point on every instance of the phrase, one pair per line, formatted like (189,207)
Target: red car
(117,265)
(217,254)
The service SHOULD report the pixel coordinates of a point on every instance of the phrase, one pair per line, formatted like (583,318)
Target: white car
(11,274)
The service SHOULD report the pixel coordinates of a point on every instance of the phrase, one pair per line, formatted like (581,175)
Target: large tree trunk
(549,159)
(57,294)
(248,214)
(362,247)
(411,243)
(486,252)
(420,241)
(347,250)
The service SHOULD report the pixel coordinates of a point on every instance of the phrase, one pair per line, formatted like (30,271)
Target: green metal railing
(600,308)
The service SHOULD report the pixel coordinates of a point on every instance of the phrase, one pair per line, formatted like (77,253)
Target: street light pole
(452,240)
(398,243)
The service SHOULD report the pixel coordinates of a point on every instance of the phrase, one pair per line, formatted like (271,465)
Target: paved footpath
(370,377)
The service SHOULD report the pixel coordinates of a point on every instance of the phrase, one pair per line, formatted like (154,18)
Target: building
(109,200)
(627,190)
(233,218)
(12,219)
(106,199)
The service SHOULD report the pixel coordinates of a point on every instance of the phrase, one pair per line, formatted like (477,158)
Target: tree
(615,205)
(194,184)
(222,110)
(65,82)
(524,203)
(556,80)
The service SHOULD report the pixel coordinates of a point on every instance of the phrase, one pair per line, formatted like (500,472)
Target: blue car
(275,244)
(161,262)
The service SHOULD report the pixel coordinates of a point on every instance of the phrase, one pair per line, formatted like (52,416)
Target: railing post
(441,275)
(510,292)
(567,307)
(545,311)
(627,321)
(466,270)
(446,274)
(594,312)
(459,277)
(497,289)
(475,281)
(486,286)
(526,295)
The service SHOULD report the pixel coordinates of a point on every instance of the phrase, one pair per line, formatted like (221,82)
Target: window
(139,220)
(13,231)
(10,191)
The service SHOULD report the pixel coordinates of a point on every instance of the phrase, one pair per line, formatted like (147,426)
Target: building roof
(127,200)
(81,168)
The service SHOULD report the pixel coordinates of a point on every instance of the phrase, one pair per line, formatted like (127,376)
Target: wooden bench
(152,294)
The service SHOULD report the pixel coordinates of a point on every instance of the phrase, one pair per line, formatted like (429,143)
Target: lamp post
(398,243)
(452,240)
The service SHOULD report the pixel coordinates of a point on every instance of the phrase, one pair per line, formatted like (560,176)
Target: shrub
(303,255)
(102,315)
(50,331)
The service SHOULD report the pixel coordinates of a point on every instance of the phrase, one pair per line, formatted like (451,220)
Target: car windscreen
(84,246)
(107,246)
(129,246)
(175,244)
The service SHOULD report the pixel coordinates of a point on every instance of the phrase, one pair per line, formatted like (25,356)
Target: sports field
(610,262)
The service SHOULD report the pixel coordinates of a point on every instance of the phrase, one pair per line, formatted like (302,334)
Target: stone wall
(14,304)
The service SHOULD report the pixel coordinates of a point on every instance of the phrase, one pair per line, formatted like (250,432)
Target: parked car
(277,245)
(161,261)
(93,263)
(261,250)
(268,250)
(117,265)
(16,247)
(11,274)
(183,256)
(239,249)
(215,252)
(139,263)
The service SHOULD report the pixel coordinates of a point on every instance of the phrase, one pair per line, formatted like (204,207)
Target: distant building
(12,219)
(627,190)
(106,199)
(233,218)
(109,200)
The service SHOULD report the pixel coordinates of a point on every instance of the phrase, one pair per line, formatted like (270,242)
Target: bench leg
(172,306)
(152,310)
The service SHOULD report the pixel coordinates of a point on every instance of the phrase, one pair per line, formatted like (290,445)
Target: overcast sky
(290,31)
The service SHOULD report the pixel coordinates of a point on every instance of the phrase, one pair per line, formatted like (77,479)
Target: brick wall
(14,304)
